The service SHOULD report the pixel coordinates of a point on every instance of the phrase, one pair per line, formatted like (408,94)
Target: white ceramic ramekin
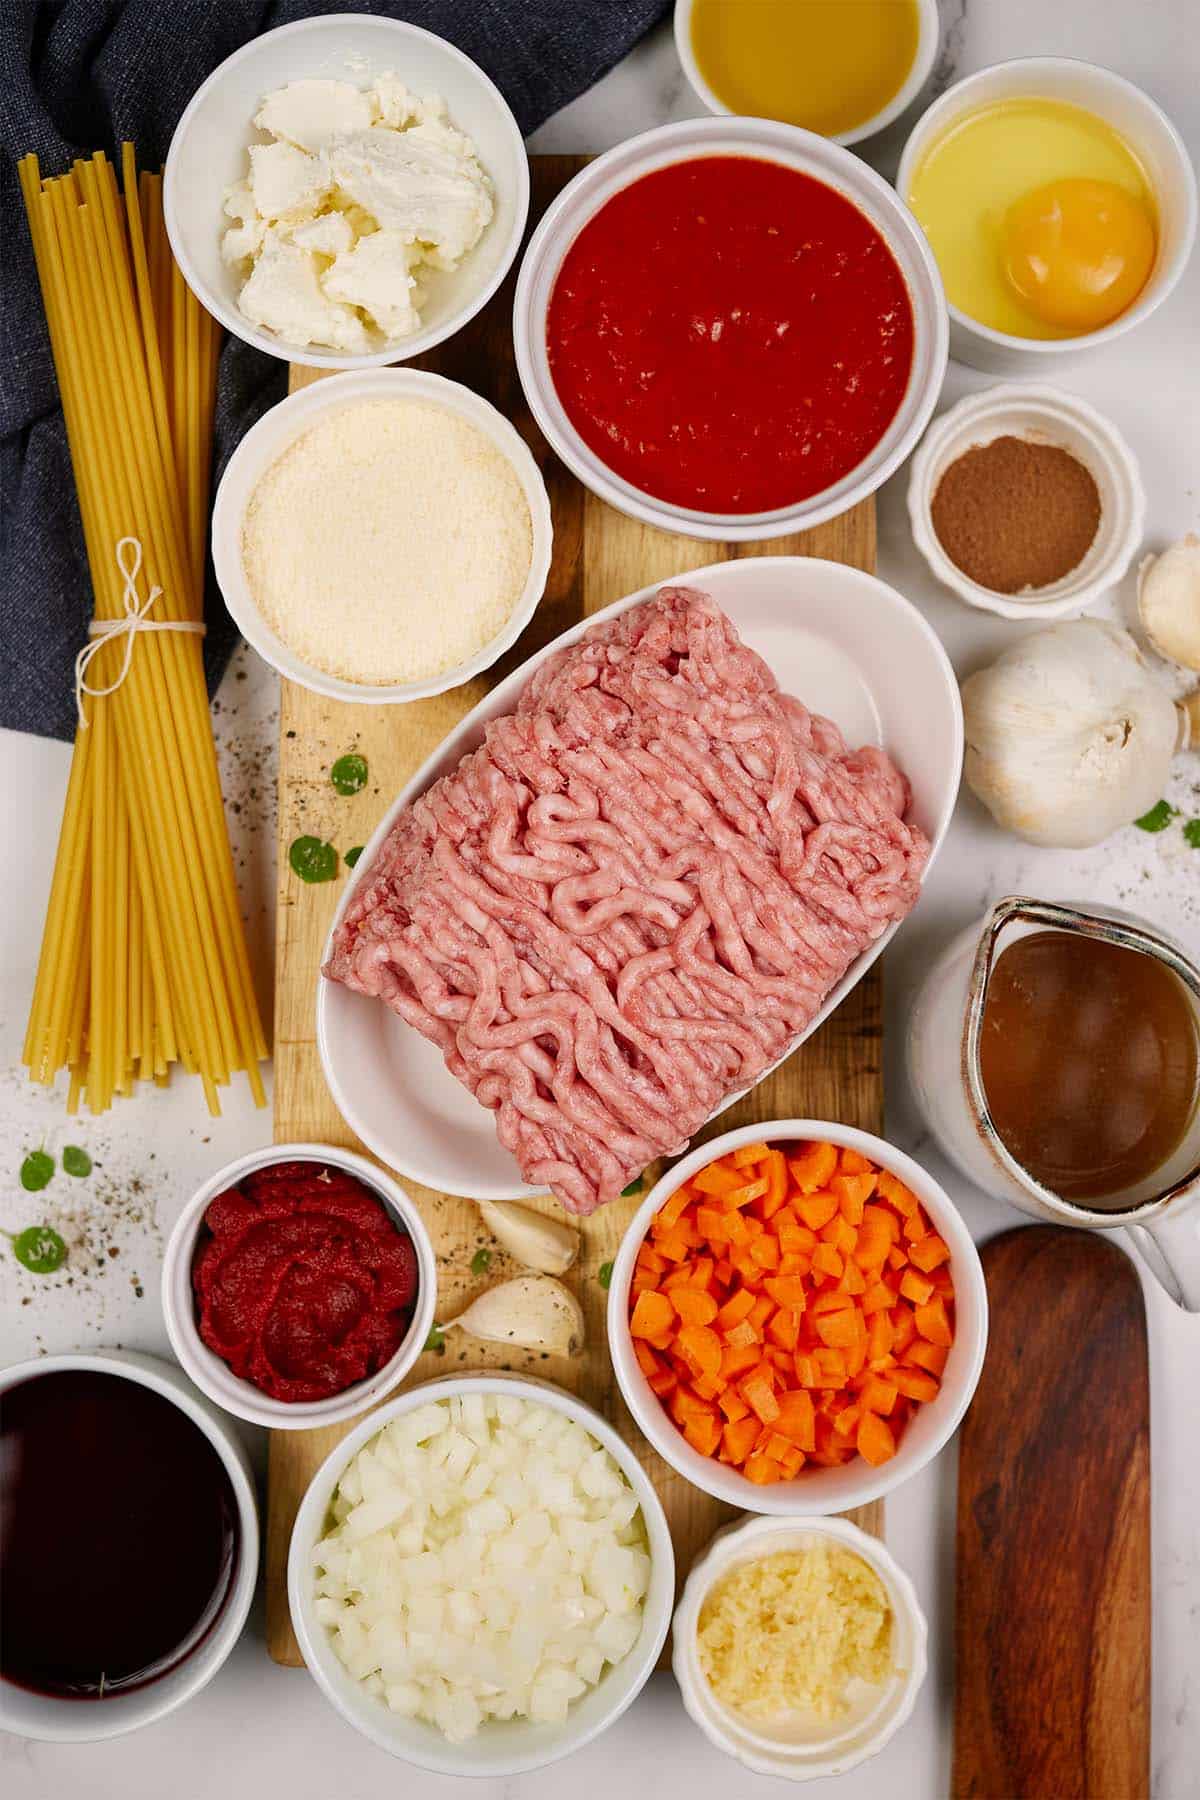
(498,1749)
(1144,126)
(265,442)
(926,51)
(54,1720)
(799,1751)
(814,1490)
(208,155)
(727,136)
(212,1375)
(1044,415)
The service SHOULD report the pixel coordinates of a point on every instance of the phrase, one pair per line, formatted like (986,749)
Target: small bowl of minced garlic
(799,1645)
(346,191)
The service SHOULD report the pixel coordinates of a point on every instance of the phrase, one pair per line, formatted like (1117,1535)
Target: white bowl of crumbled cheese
(346,191)
(382,536)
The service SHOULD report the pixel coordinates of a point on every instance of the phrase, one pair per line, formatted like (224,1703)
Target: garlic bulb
(533,1312)
(542,1243)
(1069,736)
(1169,601)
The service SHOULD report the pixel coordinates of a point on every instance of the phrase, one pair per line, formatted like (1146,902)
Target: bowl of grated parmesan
(346,191)
(382,536)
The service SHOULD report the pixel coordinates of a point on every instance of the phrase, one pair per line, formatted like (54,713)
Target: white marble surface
(258,1729)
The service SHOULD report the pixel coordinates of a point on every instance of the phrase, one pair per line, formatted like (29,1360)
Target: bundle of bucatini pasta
(143,960)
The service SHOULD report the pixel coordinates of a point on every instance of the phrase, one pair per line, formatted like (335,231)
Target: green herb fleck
(36,1171)
(349,774)
(605,1275)
(635,1187)
(312,860)
(480,1261)
(1191,832)
(1157,819)
(351,857)
(40,1249)
(436,1341)
(76,1161)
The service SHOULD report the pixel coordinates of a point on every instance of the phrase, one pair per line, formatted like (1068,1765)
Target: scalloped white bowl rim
(1045,414)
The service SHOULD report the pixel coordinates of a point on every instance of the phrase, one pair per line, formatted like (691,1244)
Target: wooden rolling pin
(1052,1618)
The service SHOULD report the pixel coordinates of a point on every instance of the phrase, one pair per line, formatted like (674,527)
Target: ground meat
(634,896)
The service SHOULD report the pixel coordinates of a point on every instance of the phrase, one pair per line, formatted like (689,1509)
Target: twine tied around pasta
(102,631)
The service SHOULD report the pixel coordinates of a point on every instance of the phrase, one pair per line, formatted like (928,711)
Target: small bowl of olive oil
(844,69)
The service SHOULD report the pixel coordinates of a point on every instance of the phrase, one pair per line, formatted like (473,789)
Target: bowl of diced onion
(481,1576)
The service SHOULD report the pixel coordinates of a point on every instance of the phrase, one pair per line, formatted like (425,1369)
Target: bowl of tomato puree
(299,1286)
(730,328)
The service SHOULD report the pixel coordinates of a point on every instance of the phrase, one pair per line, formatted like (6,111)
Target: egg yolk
(1078,252)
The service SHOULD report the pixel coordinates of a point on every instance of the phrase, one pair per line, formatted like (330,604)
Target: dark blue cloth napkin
(81,75)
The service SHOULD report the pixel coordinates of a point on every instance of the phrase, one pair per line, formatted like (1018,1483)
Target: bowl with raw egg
(1060,203)
(730,328)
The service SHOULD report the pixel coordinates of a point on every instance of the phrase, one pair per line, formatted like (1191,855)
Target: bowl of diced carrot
(797,1317)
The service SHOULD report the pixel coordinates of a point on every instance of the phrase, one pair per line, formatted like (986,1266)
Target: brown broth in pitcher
(1089,1059)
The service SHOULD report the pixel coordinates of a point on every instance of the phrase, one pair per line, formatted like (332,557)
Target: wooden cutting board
(598,556)
(1052,1614)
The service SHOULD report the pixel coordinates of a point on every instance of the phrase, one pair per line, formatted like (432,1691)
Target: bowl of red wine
(128,1543)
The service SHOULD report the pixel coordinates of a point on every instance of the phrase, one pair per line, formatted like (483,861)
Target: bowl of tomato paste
(299,1286)
(730,328)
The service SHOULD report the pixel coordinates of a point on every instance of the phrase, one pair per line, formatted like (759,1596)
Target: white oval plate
(842,641)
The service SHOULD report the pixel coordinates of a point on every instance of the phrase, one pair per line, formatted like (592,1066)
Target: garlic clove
(546,1244)
(1189,721)
(532,1312)
(1169,601)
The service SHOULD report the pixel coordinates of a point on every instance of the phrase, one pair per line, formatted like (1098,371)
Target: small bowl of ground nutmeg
(799,1645)
(1026,502)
